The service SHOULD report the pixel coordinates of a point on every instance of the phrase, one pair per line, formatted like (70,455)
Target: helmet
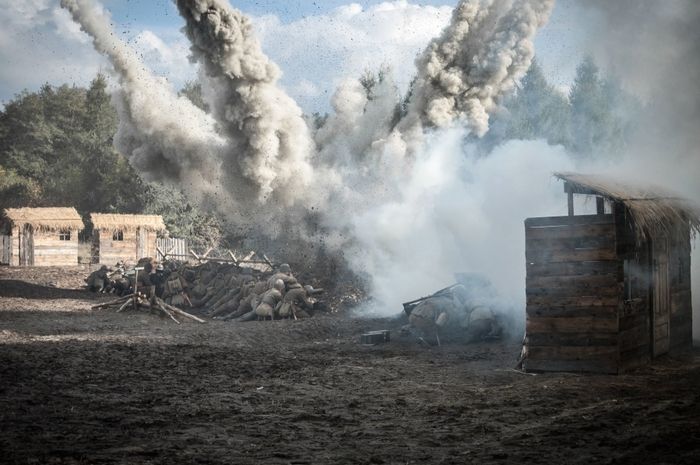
(103,268)
(285,268)
(160,267)
(309,289)
(279,285)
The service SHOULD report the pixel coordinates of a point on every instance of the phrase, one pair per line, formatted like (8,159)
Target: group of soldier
(221,291)
(231,292)
(456,313)
(121,280)
(241,296)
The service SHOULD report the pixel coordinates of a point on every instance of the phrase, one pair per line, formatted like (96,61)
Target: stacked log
(218,290)
(141,302)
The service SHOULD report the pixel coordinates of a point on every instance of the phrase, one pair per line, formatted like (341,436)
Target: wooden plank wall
(149,247)
(5,249)
(14,247)
(681,298)
(49,250)
(574,294)
(111,251)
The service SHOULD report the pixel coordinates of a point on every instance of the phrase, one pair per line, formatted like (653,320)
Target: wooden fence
(173,249)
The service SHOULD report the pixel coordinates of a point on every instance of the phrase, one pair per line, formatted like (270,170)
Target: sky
(316,43)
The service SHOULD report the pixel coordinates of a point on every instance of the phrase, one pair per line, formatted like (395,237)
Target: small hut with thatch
(125,237)
(39,236)
(608,291)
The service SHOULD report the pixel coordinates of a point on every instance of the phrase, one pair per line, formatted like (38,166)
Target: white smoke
(458,213)
(396,188)
(654,48)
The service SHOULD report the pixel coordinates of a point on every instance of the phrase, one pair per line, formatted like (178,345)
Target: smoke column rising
(406,213)
(166,138)
(270,142)
(483,52)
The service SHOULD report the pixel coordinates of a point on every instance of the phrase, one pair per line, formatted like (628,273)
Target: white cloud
(324,49)
(40,43)
(166,54)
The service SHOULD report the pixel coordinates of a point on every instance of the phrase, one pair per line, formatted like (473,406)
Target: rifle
(409,306)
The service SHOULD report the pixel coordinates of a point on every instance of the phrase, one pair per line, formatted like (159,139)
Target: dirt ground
(80,387)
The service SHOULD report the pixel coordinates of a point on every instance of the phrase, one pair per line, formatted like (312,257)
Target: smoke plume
(270,142)
(654,48)
(485,50)
(165,137)
(405,214)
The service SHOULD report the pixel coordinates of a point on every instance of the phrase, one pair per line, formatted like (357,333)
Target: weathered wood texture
(49,250)
(574,294)
(27,247)
(681,297)
(14,249)
(5,249)
(135,244)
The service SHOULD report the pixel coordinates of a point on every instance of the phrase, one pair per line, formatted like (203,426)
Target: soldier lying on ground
(269,300)
(297,302)
(456,314)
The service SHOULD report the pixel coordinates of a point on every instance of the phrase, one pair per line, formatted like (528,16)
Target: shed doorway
(661,298)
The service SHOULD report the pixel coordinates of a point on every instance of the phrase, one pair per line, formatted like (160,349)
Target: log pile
(223,291)
(141,302)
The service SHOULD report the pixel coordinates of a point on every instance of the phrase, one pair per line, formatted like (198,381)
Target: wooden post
(136,285)
(571,203)
(267,260)
(600,205)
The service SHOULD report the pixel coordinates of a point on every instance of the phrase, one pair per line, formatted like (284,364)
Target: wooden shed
(39,236)
(608,291)
(125,237)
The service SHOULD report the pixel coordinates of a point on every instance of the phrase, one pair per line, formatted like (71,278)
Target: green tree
(595,127)
(537,110)
(181,217)
(56,149)
(193,91)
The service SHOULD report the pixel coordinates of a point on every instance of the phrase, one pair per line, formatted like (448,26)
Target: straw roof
(115,222)
(48,219)
(655,211)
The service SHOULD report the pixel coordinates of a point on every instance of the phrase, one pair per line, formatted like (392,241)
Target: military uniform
(268,303)
(296,302)
(98,279)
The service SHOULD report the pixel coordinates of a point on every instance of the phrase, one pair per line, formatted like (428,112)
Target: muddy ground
(80,386)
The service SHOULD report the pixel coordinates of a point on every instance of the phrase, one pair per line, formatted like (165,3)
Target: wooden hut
(39,236)
(125,237)
(608,291)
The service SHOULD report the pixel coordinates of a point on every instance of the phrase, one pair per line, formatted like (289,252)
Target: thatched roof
(48,219)
(120,222)
(655,211)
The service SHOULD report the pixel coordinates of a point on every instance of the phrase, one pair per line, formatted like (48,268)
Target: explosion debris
(264,170)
